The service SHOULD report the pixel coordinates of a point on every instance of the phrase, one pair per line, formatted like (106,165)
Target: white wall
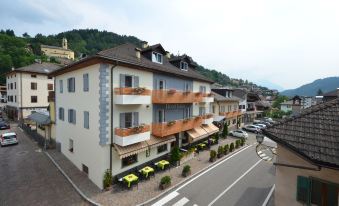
(196,88)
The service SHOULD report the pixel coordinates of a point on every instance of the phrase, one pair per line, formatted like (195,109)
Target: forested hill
(17,51)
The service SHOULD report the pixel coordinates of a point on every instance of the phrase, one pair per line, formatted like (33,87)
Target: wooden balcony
(174,96)
(207,119)
(127,136)
(173,127)
(207,97)
(232,114)
(129,95)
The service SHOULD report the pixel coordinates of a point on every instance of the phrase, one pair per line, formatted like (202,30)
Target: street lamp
(260,138)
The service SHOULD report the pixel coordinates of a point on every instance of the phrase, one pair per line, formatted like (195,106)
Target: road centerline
(235,182)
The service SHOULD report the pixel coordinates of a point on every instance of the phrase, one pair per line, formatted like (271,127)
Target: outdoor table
(147,170)
(130,178)
(162,164)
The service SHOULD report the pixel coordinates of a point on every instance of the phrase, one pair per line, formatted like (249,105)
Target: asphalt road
(27,177)
(242,179)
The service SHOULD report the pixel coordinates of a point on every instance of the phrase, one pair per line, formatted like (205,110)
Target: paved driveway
(27,177)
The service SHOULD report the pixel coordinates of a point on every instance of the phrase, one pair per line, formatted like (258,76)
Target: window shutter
(136,81)
(135,118)
(122,80)
(74,116)
(69,115)
(73,84)
(122,120)
(303,189)
(68,85)
(85,79)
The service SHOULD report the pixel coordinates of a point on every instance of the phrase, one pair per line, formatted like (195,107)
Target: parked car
(251,128)
(4,125)
(262,126)
(239,133)
(268,119)
(8,139)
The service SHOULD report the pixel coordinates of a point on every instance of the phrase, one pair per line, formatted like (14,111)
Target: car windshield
(9,137)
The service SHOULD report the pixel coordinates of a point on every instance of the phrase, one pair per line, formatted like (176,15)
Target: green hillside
(18,51)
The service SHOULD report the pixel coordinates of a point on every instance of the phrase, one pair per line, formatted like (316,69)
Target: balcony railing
(207,97)
(207,119)
(173,127)
(174,96)
(129,95)
(232,114)
(127,136)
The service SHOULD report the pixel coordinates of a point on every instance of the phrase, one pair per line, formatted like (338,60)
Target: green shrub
(220,150)
(175,155)
(213,154)
(237,143)
(232,147)
(226,148)
(242,141)
(165,180)
(225,130)
(186,169)
(107,178)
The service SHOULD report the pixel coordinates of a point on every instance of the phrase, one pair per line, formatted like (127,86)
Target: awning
(210,128)
(157,141)
(130,149)
(39,118)
(218,118)
(196,133)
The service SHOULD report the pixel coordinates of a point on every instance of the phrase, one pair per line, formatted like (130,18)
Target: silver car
(239,133)
(8,139)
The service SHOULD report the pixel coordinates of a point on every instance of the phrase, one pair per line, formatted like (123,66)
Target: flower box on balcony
(171,91)
(171,123)
(139,128)
(139,90)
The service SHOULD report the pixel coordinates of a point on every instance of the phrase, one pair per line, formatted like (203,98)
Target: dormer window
(156,57)
(184,66)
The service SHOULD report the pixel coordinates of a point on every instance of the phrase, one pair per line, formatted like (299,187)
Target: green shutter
(303,189)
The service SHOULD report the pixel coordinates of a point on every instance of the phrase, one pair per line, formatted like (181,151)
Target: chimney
(168,54)
(137,52)
(144,44)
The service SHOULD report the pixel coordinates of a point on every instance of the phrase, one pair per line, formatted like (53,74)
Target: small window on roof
(156,57)
(184,66)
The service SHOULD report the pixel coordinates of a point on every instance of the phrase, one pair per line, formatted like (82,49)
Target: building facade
(129,106)
(27,89)
(60,52)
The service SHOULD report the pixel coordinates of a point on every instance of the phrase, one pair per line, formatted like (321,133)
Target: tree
(320,92)
(25,35)
(279,100)
(175,155)
(225,130)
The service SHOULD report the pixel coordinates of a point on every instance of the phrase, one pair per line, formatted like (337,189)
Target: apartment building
(226,105)
(127,106)
(27,89)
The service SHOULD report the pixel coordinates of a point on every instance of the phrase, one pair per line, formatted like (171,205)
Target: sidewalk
(146,189)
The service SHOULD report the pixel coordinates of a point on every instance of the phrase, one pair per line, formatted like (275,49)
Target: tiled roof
(314,134)
(126,53)
(43,68)
(221,98)
(331,93)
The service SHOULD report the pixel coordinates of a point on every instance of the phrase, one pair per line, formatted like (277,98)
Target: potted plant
(237,144)
(225,130)
(226,149)
(220,151)
(175,156)
(213,155)
(171,91)
(139,90)
(171,123)
(232,147)
(165,182)
(107,179)
(186,120)
(139,128)
(186,171)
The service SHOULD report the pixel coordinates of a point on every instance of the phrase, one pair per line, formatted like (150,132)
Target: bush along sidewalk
(213,155)
(226,149)
(237,144)
(107,179)
(220,151)
(232,147)
(186,171)
(165,182)
(242,141)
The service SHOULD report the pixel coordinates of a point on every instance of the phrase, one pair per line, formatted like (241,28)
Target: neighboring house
(59,52)
(227,106)
(252,112)
(286,106)
(3,94)
(242,95)
(27,89)
(330,95)
(307,165)
(126,107)
(308,102)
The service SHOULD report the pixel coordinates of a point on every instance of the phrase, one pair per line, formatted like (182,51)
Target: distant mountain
(311,89)
(269,84)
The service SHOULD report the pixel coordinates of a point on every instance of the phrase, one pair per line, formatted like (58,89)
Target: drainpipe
(112,130)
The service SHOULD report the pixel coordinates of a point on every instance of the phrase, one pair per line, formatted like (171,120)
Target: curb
(72,183)
(191,177)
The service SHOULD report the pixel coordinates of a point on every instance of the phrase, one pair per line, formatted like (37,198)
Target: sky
(280,43)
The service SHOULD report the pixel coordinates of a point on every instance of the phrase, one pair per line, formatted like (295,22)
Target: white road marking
(235,182)
(269,196)
(166,199)
(195,205)
(222,161)
(181,202)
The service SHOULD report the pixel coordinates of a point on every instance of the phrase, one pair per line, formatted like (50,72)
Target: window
(34,86)
(61,86)
(86,120)
(161,84)
(33,75)
(85,169)
(187,87)
(11,85)
(61,114)
(184,66)
(161,115)
(156,57)
(202,111)
(85,83)
(187,112)
(49,77)
(70,146)
(129,81)
(162,148)
(202,89)
(34,99)
(129,160)
(129,119)
(50,86)
(71,116)
(71,84)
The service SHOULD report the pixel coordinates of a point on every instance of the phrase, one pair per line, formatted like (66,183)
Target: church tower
(64,43)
